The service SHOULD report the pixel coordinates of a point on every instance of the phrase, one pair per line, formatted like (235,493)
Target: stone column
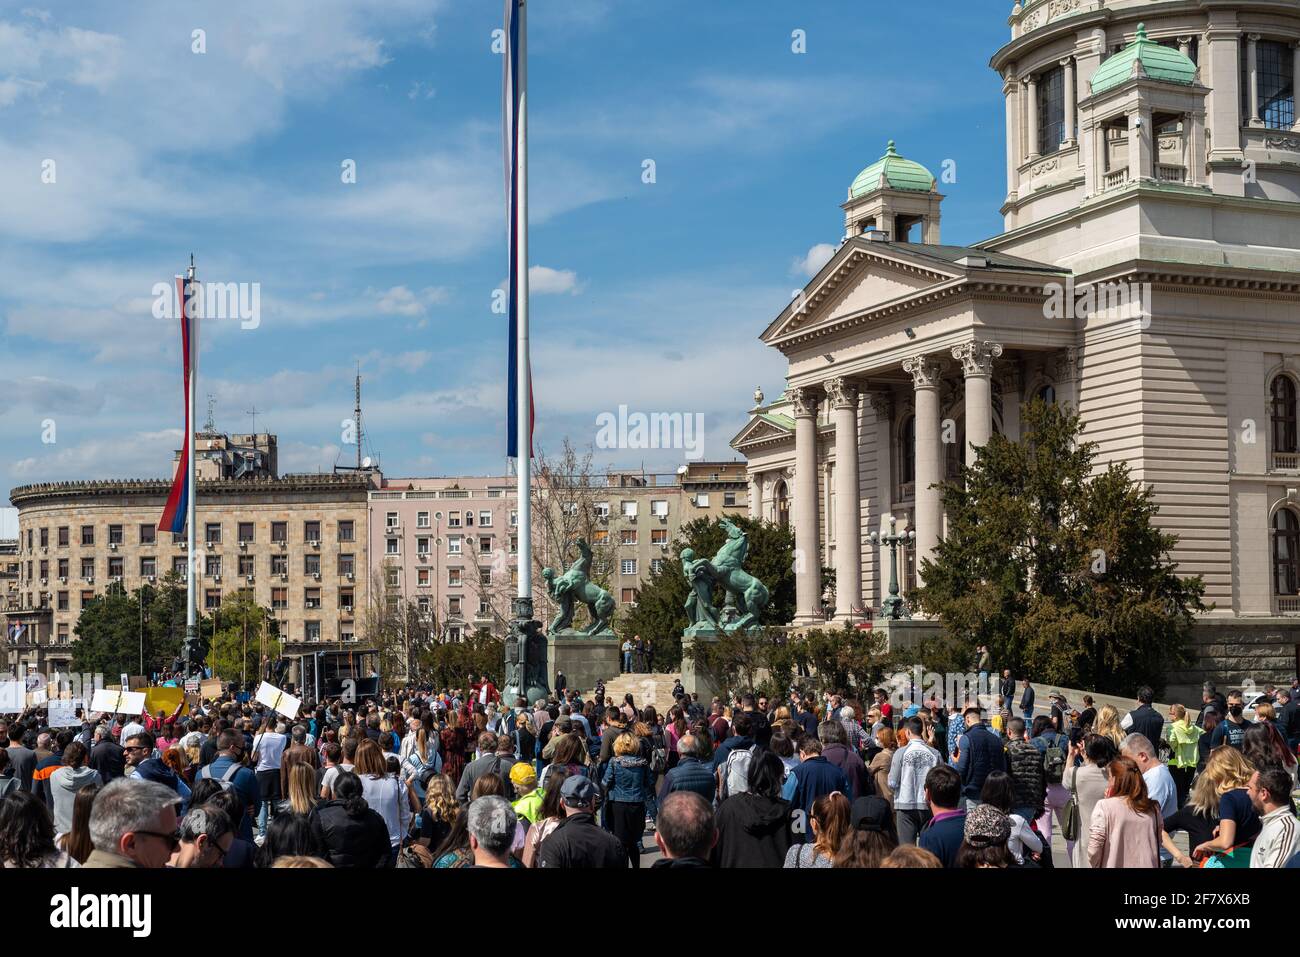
(1185,46)
(926,373)
(976,360)
(1065,370)
(1031,96)
(1011,91)
(843,397)
(1010,383)
(1139,145)
(1252,77)
(807,517)
(1295,80)
(882,404)
(1067,72)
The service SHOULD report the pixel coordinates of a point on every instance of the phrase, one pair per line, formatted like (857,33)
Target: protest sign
(278,701)
(118,702)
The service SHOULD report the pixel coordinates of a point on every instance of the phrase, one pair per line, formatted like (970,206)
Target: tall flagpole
(523,389)
(191,585)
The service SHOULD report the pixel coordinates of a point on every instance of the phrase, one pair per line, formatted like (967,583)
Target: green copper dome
(1159,62)
(892,171)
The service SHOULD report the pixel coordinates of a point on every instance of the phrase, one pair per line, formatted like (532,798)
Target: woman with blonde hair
(1108,725)
(1125,828)
(1239,823)
(1198,817)
(440,810)
(303,794)
(389,797)
(830,829)
(628,784)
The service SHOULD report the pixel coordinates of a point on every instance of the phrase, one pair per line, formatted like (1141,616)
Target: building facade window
(1275,73)
(907,451)
(148,534)
(347,531)
(1051,110)
(627,566)
(279,531)
(245,531)
(1283,414)
(1286,553)
(212,533)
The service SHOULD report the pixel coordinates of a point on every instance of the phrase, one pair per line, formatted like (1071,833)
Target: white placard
(118,702)
(63,713)
(12,696)
(37,698)
(279,701)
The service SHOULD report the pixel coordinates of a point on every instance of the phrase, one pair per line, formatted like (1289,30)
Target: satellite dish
(681,470)
(365,463)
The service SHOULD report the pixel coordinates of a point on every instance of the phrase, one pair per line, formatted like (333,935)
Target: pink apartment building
(450,545)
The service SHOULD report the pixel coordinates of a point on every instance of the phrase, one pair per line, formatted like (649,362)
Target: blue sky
(647,295)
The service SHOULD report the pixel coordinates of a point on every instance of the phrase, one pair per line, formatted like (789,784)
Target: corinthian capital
(925,371)
(805,402)
(976,358)
(842,393)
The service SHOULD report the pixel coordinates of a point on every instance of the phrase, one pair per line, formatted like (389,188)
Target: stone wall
(1231,652)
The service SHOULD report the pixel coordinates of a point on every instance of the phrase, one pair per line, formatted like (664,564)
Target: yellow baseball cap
(522,773)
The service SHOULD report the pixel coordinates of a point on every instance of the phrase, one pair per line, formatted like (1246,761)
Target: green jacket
(529,806)
(1183,737)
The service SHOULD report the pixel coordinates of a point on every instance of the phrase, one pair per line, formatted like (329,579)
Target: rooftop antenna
(253,412)
(210,426)
(356,412)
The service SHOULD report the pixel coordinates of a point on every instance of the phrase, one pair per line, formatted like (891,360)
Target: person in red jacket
(156,724)
(485,692)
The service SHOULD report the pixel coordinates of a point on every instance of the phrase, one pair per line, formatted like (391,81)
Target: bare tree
(565,495)
(395,626)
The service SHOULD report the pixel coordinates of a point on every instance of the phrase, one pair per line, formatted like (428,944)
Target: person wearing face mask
(1231,730)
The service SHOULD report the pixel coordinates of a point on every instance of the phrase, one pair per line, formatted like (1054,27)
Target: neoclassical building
(1148,274)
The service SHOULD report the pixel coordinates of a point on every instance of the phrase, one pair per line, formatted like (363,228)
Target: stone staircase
(646,689)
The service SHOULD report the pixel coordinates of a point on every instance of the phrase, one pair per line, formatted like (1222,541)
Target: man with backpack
(731,760)
(228,768)
(1054,747)
(1025,764)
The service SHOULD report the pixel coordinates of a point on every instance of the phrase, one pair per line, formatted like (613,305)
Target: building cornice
(28,495)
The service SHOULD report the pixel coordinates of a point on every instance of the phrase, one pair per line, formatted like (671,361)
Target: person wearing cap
(871,838)
(578,841)
(984,839)
(528,797)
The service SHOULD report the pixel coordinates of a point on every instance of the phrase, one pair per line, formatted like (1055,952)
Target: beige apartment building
(299,543)
(1148,275)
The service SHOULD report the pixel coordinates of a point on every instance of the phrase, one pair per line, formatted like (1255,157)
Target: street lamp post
(893,607)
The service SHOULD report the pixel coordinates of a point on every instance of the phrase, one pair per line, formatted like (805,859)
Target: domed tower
(1179,110)
(893,195)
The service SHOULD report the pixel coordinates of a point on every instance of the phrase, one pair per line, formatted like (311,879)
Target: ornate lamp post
(893,607)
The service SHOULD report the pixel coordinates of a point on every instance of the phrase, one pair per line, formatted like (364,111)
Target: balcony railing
(1168,173)
(1288,604)
(906,491)
(1286,461)
(1115,178)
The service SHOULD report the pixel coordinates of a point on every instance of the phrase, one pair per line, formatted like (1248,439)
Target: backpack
(1054,761)
(227,780)
(735,771)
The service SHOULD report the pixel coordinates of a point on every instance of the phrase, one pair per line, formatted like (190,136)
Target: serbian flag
(512,107)
(173,516)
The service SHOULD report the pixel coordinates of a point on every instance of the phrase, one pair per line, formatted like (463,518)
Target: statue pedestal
(697,679)
(584,660)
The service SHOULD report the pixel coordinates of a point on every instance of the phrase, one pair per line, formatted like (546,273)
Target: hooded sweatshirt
(1184,738)
(753,831)
(65,782)
(151,769)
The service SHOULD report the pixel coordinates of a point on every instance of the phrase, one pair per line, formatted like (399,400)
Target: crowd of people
(451,778)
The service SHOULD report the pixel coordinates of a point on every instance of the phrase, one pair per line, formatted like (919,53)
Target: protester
(65,782)
(694,770)
(1182,737)
(686,834)
(550,814)
(352,833)
(1025,766)
(1232,729)
(813,779)
(942,835)
(1155,775)
(836,751)
(1125,827)
(133,824)
(76,840)
(1239,822)
(385,793)
(985,833)
(1279,835)
(291,834)
(1263,746)
(910,856)
(22,759)
(871,836)
(908,768)
(205,837)
(1144,719)
(829,822)
(578,841)
(1022,840)
(754,825)
(1199,818)
(27,834)
(979,752)
(268,754)
(491,823)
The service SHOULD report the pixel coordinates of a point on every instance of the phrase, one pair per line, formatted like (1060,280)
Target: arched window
(782,504)
(1286,553)
(1047,393)
(907,451)
(1284,414)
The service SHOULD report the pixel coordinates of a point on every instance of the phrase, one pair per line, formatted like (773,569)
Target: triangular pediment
(764,428)
(860,276)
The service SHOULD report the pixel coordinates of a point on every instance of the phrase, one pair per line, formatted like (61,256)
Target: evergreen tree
(660,612)
(237,646)
(117,629)
(1056,565)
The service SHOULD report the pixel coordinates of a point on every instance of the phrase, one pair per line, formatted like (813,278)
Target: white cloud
(811,262)
(8,522)
(545,281)
(401,301)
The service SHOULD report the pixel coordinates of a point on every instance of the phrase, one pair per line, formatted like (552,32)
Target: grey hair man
(133,824)
(1160,783)
(206,835)
(492,824)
